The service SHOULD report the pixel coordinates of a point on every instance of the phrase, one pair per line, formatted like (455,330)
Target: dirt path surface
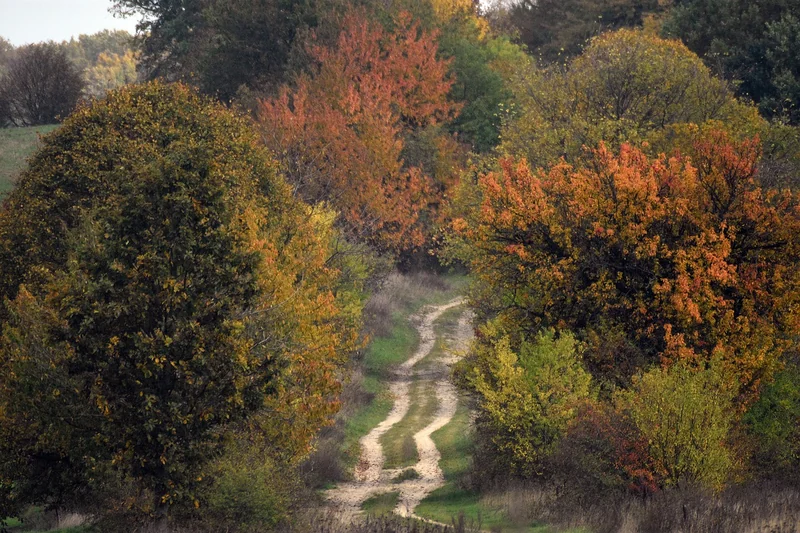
(371,477)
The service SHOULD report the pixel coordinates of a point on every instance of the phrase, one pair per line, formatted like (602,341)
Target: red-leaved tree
(340,130)
(647,260)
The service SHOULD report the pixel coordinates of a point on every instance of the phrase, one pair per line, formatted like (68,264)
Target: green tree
(774,422)
(627,86)
(172,288)
(750,43)
(685,415)
(526,395)
(482,64)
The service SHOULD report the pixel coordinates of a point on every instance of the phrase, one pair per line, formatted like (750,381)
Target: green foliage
(627,86)
(481,64)
(774,422)
(751,43)
(247,490)
(526,396)
(686,415)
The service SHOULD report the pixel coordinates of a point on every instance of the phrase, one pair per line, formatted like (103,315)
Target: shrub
(774,422)
(686,416)
(526,396)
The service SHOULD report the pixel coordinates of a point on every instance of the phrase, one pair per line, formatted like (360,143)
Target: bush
(686,416)
(526,396)
(40,86)
(774,422)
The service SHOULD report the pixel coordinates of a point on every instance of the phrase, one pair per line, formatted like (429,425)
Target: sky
(30,21)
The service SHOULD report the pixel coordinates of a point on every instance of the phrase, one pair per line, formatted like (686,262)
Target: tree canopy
(165,287)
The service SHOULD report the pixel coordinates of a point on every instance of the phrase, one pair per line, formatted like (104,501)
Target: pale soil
(371,477)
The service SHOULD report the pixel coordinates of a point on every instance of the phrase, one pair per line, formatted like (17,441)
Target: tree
(647,260)
(110,72)
(526,396)
(557,30)
(41,85)
(170,290)
(749,43)
(6,52)
(340,130)
(85,51)
(627,86)
(224,45)
(686,416)
(482,66)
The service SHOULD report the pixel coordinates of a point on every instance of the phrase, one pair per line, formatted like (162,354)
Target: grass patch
(381,504)
(16,144)
(405,475)
(399,446)
(386,352)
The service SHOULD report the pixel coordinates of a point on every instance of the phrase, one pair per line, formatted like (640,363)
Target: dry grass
(757,508)
(399,293)
(325,522)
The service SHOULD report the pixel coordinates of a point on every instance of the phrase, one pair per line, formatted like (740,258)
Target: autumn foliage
(340,130)
(650,261)
(164,289)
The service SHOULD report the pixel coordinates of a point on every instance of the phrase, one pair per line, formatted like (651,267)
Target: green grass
(405,475)
(381,504)
(16,144)
(381,355)
(398,443)
(386,352)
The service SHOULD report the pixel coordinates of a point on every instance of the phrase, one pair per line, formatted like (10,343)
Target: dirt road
(371,477)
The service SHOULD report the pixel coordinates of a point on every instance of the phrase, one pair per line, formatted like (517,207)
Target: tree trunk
(162,517)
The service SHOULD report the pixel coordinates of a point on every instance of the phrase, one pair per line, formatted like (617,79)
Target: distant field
(16,144)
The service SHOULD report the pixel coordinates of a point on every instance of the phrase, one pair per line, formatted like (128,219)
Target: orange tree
(647,260)
(340,130)
(162,285)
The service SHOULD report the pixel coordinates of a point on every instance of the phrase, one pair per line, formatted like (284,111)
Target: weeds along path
(371,478)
